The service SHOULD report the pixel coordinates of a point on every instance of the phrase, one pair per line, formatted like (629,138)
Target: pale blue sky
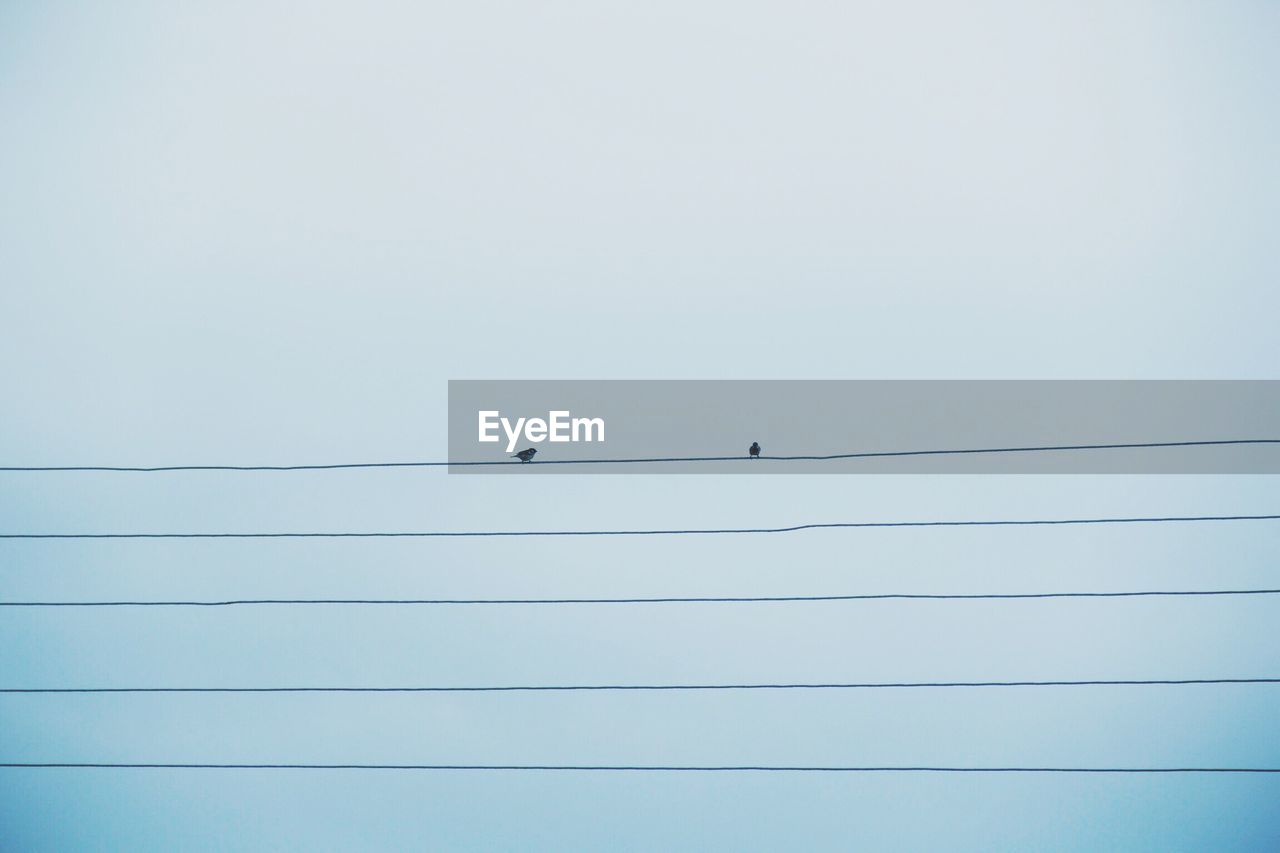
(257,232)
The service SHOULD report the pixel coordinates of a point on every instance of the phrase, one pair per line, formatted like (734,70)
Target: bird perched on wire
(754,450)
(525,455)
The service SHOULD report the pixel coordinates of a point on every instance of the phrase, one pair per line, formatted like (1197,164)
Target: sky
(246,233)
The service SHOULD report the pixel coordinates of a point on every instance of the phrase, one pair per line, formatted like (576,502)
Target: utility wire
(666,768)
(674,532)
(651,687)
(671,600)
(652,459)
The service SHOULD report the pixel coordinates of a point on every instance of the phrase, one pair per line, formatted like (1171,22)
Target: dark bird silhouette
(525,455)
(754,450)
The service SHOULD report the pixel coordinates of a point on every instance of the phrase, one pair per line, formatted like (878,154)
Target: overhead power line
(663,768)
(649,460)
(671,532)
(653,687)
(667,600)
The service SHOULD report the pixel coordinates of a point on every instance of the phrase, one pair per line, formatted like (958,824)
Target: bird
(754,450)
(525,455)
